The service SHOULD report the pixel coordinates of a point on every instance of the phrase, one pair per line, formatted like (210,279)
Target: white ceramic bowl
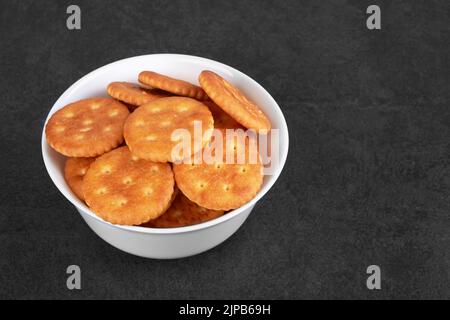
(175,242)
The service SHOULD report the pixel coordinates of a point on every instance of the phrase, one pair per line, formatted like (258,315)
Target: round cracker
(183,212)
(233,102)
(175,86)
(122,189)
(133,94)
(74,172)
(221,186)
(148,131)
(221,119)
(87,128)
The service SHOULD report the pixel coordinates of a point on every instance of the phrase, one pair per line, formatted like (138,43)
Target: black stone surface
(367,179)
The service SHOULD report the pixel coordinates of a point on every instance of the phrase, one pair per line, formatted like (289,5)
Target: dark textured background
(367,179)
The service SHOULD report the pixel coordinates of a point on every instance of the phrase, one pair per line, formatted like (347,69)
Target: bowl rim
(208,224)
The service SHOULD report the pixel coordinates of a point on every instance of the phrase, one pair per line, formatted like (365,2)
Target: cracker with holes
(133,94)
(234,102)
(156,128)
(222,184)
(125,190)
(221,119)
(74,172)
(183,212)
(87,128)
(175,86)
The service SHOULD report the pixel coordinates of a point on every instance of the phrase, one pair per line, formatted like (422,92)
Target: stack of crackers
(119,149)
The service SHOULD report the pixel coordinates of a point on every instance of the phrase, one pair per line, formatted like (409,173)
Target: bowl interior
(178,66)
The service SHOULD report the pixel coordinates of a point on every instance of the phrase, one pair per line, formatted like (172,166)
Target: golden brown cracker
(175,86)
(234,102)
(122,189)
(133,94)
(183,212)
(148,131)
(74,171)
(87,128)
(221,119)
(218,185)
